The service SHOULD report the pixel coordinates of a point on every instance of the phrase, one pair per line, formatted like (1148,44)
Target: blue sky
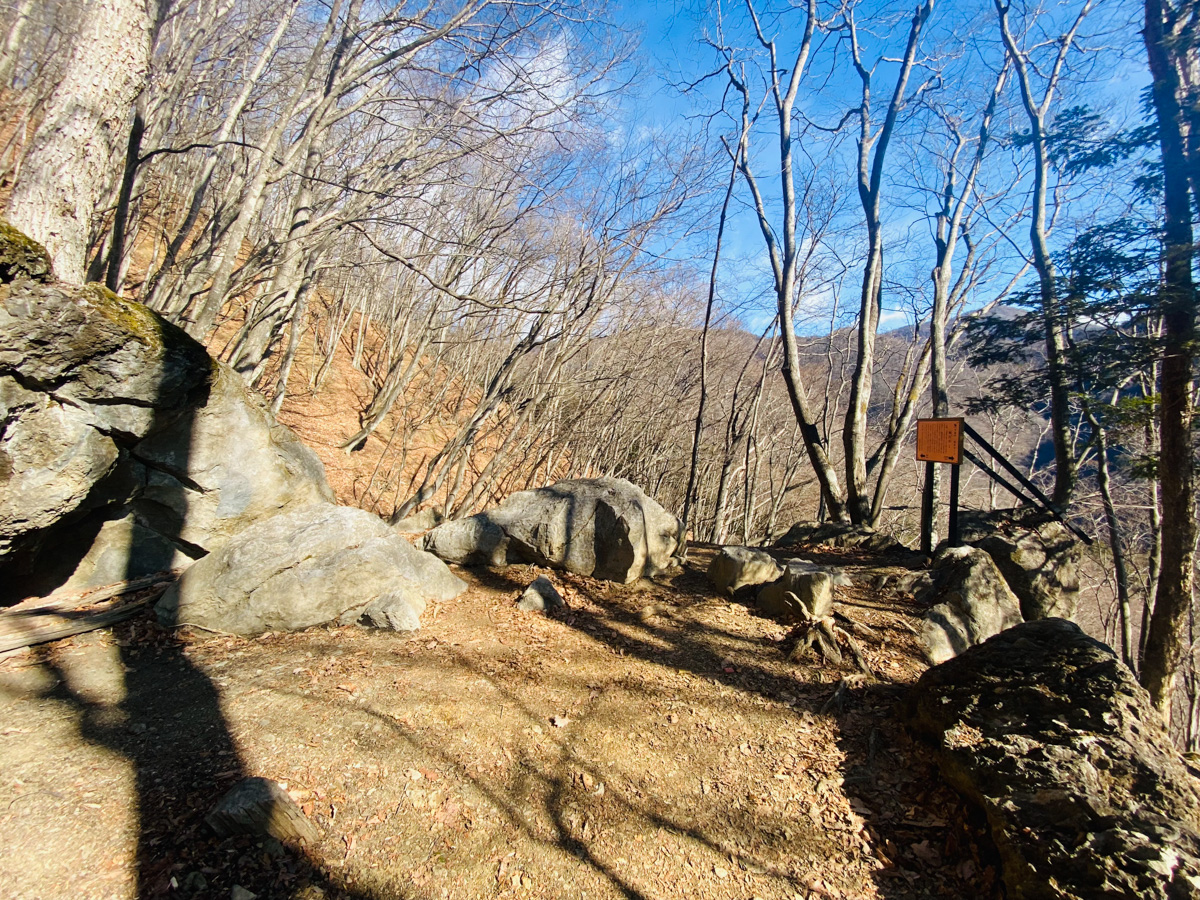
(671,51)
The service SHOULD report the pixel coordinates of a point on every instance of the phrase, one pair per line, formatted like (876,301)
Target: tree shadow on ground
(163,716)
(929,844)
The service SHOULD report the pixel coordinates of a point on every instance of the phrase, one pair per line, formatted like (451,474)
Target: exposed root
(840,694)
(820,633)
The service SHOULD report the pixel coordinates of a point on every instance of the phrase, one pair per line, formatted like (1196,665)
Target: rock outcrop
(971,602)
(837,534)
(733,568)
(1047,731)
(604,527)
(121,437)
(1037,556)
(306,567)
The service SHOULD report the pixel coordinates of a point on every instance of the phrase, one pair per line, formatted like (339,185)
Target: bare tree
(1170,33)
(1037,101)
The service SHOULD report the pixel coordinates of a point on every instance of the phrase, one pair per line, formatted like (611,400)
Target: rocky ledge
(1047,731)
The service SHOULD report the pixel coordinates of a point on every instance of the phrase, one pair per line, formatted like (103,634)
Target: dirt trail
(653,741)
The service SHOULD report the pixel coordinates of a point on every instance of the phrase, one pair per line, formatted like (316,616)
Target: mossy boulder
(22,257)
(1052,737)
(109,413)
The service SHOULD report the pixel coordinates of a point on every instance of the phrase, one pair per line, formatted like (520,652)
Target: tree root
(822,635)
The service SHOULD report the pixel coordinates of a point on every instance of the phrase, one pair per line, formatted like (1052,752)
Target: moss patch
(148,327)
(21,256)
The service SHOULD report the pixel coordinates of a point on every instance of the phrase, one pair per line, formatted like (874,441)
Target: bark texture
(68,173)
(1168,35)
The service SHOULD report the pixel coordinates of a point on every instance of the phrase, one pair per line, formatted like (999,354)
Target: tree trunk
(67,174)
(1165,643)
(872,151)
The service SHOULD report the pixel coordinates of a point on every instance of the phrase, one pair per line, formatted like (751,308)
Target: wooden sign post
(939,441)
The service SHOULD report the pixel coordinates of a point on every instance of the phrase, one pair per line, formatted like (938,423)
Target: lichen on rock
(1050,734)
(22,257)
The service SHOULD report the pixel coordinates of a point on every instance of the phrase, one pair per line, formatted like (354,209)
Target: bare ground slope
(653,741)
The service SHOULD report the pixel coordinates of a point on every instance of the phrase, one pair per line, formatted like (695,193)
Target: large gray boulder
(971,603)
(1049,733)
(108,413)
(306,567)
(604,527)
(1037,555)
(733,568)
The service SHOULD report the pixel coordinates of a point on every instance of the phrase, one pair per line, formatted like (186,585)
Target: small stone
(540,596)
(240,893)
(194,883)
(260,806)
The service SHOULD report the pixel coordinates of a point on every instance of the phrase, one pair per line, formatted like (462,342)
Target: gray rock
(107,410)
(804,592)
(237,892)
(124,548)
(419,522)
(230,466)
(1037,556)
(972,602)
(259,806)
(473,541)
(21,257)
(395,611)
(603,527)
(540,596)
(1045,730)
(305,567)
(737,567)
(51,459)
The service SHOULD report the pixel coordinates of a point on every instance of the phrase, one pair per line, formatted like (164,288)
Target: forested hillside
(544,248)
(589,341)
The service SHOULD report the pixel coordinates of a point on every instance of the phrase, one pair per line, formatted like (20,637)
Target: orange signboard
(940,440)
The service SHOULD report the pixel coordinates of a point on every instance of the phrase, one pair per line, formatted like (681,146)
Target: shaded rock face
(1037,556)
(21,257)
(734,568)
(971,601)
(1052,736)
(837,534)
(119,435)
(312,565)
(603,527)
